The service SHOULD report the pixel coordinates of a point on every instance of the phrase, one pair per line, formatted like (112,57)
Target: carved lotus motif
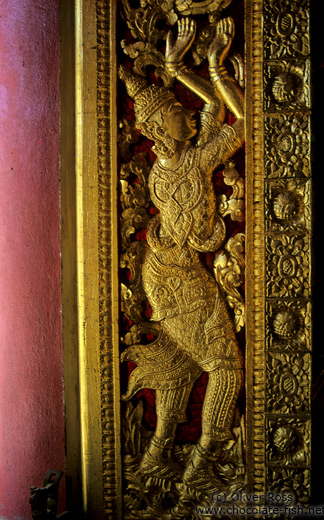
(285,438)
(286,324)
(288,440)
(287,87)
(288,444)
(286,205)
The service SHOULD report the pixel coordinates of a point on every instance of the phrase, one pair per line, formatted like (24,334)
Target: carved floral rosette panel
(286,51)
(274,429)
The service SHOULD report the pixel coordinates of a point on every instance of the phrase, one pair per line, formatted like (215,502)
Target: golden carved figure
(196,332)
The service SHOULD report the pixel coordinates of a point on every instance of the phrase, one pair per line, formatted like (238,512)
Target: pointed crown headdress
(147,98)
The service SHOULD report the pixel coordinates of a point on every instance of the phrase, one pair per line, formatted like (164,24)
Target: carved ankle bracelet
(162,443)
(205,454)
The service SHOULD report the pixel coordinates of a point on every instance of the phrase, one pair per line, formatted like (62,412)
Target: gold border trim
(87,254)
(108,259)
(69,267)
(255,272)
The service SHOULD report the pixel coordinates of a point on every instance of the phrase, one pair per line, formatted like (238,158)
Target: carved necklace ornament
(195,331)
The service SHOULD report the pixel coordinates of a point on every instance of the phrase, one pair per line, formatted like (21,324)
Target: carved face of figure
(178,122)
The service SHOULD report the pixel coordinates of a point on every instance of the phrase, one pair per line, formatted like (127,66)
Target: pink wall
(31,385)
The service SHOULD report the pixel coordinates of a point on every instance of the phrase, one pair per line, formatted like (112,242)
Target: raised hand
(175,51)
(221,44)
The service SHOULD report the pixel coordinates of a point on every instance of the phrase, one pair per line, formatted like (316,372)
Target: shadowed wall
(31,380)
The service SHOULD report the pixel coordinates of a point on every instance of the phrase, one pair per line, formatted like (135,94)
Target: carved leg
(219,404)
(217,415)
(171,407)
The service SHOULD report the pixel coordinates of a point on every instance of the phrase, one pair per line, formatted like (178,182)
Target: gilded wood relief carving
(214,252)
(189,303)
(287,246)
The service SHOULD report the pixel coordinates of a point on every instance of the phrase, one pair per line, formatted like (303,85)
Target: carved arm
(174,65)
(229,91)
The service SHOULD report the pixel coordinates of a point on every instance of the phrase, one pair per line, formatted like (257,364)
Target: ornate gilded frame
(278,251)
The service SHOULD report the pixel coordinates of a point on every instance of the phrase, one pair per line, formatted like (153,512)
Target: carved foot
(158,467)
(202,480)
(199,474)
